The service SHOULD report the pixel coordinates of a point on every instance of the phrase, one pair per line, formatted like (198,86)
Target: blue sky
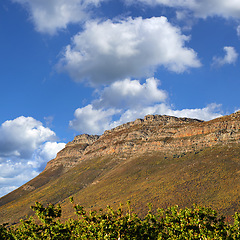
(83,66)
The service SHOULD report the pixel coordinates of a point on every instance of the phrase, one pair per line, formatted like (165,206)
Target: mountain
(159,159)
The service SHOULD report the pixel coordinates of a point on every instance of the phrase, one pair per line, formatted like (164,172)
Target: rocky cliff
(153,133)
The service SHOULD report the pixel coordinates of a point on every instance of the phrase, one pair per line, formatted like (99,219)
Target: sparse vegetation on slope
(209,177)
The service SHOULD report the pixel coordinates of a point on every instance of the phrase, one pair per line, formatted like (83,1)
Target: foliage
(172,223)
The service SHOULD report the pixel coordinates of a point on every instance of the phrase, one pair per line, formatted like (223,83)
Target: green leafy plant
(172,223)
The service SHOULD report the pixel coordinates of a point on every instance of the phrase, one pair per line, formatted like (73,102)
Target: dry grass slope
(209,177)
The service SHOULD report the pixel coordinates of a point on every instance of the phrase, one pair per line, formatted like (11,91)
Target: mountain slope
(159,159)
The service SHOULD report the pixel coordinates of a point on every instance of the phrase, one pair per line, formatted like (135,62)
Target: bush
(172,223)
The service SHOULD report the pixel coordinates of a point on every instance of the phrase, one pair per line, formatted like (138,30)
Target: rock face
(153,133)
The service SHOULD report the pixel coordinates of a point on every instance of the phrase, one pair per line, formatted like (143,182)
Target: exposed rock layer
(153,133)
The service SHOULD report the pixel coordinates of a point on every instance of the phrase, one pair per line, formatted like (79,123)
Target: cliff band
(153,133)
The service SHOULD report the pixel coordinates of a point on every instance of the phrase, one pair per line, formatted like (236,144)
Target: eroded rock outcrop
(153,133)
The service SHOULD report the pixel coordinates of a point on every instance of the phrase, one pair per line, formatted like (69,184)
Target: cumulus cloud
(21,136)
(13,174)
(131,93)
(110,51)
(25,147)
(202,9)
(51,15)
(91,120)
(229,58)
(97,117)
(106,112)
(44,153)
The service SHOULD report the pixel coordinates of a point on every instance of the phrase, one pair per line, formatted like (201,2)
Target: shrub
(172,223)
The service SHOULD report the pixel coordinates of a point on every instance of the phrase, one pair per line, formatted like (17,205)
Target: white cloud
(229,58)
(109,51)
(44,153)
(14,174)
(209,112)
(131,93)
(49,149)
(106,112)
(49,16)
(202,9)
(92,121)
(186,18)
(238,30)
(25,147)
(11,171)
(52,15)
(21,136)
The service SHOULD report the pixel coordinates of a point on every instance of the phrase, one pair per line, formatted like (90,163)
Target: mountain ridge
(160,159)
(154,132)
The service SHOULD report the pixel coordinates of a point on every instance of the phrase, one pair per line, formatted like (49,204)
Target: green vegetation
(172,223)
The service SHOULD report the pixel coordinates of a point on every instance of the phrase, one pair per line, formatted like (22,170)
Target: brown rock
(153,133)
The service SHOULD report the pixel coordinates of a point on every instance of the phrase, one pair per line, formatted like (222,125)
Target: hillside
(160,159)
